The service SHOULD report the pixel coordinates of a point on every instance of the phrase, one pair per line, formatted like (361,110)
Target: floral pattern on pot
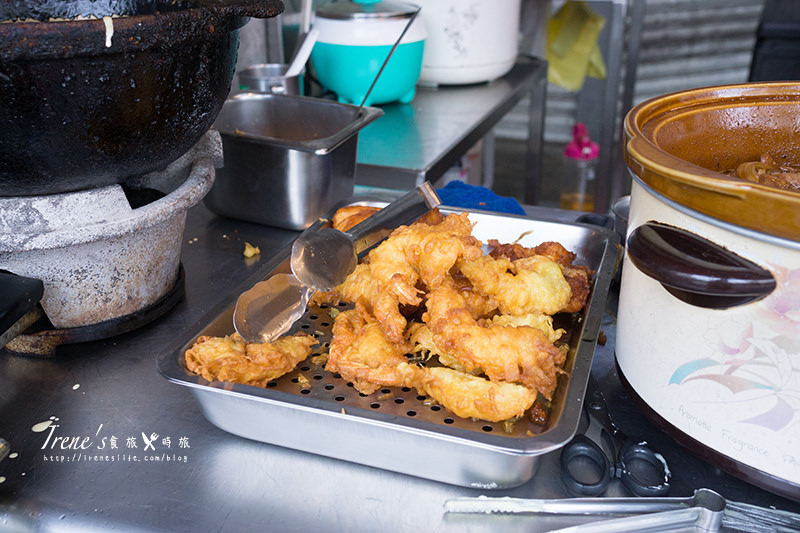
(764,359)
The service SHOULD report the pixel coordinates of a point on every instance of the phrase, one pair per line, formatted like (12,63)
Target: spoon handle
(302,53)
(402,211)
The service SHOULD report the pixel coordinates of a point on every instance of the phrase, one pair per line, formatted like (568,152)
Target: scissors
(590,461)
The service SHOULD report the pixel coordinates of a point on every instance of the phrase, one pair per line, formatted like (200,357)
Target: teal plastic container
(349,70)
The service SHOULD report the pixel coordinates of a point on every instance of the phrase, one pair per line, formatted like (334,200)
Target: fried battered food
(423,343)
(521,354)
(422,253)
(432,217)
(481,305)
(533,284)
(362,288)
(474,397)
(347,217)
(362,354)
(579,277)
(540,321)
(472,332)
(232,359)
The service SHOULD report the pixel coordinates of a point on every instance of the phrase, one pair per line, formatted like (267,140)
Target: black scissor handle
(642,470)
(583,447)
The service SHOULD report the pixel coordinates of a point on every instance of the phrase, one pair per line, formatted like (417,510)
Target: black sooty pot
(87,102)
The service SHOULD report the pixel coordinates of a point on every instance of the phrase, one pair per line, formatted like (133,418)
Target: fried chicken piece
(422,253)
(362,354)
(348,216)
(232,359)
(579,277)
(533,284)
(362,288)
(521,354)
(470,396)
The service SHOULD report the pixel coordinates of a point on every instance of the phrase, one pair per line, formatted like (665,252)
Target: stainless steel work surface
(210,480)
(420,141)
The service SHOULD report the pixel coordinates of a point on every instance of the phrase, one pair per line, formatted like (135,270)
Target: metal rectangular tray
(312,410)
(288,159)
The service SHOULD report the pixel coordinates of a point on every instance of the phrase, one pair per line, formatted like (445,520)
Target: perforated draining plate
(312,380)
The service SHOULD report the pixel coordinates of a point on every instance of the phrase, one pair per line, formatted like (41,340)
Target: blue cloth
(460,194)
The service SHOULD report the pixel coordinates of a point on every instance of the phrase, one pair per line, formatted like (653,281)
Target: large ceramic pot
(708,336)
(87,103)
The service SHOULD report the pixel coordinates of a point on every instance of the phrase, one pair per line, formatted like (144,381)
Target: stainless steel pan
(312,410)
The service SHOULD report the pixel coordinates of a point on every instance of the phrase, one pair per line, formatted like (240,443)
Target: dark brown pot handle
(696,270)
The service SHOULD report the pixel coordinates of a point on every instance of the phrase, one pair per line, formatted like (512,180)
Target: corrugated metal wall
(691,43)
(684,44)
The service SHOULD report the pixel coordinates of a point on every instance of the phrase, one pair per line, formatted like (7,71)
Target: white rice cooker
(469,41)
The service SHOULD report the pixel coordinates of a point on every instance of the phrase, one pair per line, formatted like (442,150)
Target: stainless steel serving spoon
(321,259)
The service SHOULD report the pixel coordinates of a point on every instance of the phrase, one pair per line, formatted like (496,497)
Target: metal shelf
(420,141)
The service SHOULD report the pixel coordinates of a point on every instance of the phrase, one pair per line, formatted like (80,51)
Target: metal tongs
(321,259)
(705,511)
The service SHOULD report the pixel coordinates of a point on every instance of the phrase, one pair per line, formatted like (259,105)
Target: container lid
(366,9)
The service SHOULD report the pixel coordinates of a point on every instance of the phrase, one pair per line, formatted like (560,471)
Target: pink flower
(781,309)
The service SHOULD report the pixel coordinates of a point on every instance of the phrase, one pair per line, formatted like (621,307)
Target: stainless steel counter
(420,141)
(97,395)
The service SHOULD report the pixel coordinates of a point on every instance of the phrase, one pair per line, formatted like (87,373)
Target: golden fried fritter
(521,354)
(485,319)
(232,359)
(533,284)
(579,277)
(422,253)
(362,288)
(348,216)
(362,354)
(540,321)
(470,396)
